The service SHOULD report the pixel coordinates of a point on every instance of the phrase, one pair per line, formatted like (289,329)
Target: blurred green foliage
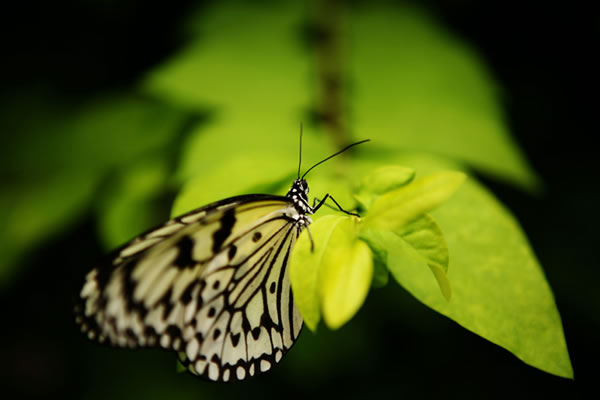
(422,96)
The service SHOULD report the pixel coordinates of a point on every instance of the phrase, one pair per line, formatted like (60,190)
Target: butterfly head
(299,195)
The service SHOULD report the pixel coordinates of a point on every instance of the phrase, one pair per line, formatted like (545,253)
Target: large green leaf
(416,87)
(255,86)
(498,287)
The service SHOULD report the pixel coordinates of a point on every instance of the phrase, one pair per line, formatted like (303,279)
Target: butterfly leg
(322,202)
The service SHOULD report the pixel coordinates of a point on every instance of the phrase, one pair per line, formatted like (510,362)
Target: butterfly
(212,284)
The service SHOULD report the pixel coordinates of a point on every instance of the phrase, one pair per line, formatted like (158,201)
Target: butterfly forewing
(212,284)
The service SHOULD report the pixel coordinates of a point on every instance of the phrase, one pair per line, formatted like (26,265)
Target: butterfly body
(212,284)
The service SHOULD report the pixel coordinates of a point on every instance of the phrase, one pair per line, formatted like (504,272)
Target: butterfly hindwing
(212,284)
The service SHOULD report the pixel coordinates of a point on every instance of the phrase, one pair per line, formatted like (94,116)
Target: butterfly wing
(212,284)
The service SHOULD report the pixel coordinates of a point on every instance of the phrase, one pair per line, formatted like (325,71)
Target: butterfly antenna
(300,157)
(333,155)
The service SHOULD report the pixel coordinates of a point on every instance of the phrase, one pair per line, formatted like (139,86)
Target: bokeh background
(66,66)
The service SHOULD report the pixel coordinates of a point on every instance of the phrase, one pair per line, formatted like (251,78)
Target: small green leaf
(346,273)
(426,237)
(305,266)
(382,180)
(421,246)
(395,209)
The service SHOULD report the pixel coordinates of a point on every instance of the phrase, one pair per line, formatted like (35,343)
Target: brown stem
(329,21)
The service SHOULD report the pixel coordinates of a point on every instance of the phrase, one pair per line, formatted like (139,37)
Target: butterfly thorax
(298,193)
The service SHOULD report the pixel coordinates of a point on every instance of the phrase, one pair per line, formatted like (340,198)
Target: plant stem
(329,49)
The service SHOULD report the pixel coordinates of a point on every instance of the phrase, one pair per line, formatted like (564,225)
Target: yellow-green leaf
(305,266)
(382,180)
(395,209)
(346,273)
(425,236)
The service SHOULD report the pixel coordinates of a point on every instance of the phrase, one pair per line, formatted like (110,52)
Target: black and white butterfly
(212,285)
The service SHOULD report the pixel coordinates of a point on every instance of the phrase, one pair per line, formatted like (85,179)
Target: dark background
(541,55)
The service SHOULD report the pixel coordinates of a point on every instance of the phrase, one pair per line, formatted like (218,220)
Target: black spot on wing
(221,234)
(256,333)
(174,331)
(235,339)
(185,247)
(231,252)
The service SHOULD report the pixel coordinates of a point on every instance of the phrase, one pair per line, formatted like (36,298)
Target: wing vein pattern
(212,285)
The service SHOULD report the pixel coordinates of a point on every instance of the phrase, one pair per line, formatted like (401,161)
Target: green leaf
(395,209)
(426,238)
(256,87)
(387,178)
(345,274)
(498,287)
(416,87)
(127,206)
(305,267)
(383,179)
(421,244)
(32,212)
(421,247)
(76,146)
(242,175)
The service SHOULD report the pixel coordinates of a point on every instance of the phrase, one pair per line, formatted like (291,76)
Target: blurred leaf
(35,210)
(256,86)
(91,136)
(345,274)
(416,87)
(305,267)
(242,175)
(394,209)
(498,288)
(126,208)
(50,183)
